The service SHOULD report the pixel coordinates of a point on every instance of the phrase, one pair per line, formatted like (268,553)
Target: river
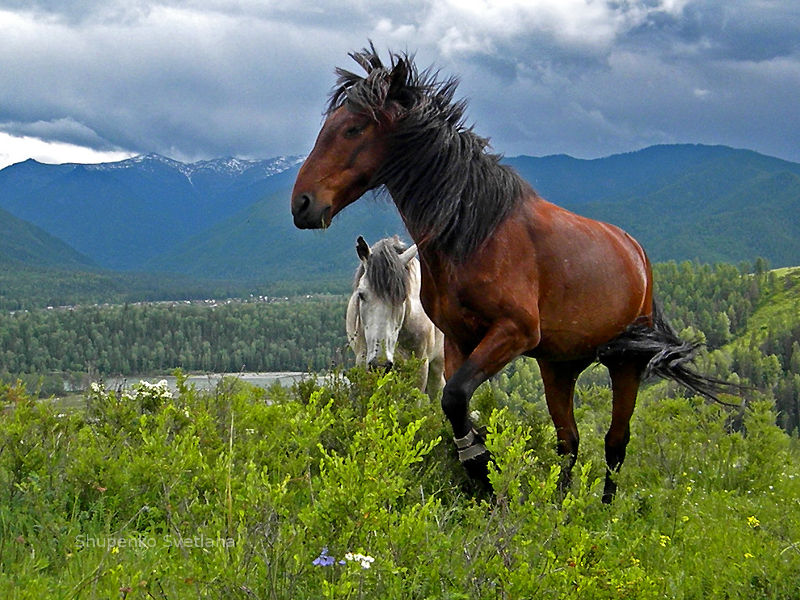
(210,380)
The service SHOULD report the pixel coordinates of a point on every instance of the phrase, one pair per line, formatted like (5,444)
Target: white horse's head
(380,293)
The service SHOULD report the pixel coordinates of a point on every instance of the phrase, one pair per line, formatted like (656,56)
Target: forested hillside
(27,287)
(261,241)
(748,320)
(120,214)
(141,339)
(24,244)
(683,201)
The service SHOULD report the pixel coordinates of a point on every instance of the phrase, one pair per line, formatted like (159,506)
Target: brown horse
(504,272)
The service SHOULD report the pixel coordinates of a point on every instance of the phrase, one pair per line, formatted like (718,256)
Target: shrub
(347,486)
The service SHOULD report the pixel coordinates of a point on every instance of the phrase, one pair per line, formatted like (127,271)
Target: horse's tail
(667,356)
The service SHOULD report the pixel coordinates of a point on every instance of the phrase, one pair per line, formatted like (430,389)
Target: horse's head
(382,290)
(354,141)
(349,150)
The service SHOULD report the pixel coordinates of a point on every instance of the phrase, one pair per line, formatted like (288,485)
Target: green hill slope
(780,305)
(732,209)
(710,203)
(261,243)
(22,243)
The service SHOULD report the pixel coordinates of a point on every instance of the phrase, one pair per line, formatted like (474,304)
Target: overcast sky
(92,80)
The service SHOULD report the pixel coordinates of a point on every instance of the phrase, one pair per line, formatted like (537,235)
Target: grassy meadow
(351,489)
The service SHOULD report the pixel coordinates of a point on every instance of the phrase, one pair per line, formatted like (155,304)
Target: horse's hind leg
(625,379)
(559,387)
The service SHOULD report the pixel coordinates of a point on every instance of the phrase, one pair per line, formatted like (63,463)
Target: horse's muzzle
(309,214)
(380,365)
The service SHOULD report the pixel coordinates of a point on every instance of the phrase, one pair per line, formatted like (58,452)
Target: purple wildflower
(323,560)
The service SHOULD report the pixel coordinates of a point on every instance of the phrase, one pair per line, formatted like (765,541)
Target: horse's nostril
(304,202)
(307,213)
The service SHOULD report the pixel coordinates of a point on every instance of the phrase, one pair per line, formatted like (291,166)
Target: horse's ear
(362,248)
(408,254)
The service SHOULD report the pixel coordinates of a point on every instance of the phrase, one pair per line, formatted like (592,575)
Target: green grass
(235,492)
(783,271)
(69,403)
(782,305)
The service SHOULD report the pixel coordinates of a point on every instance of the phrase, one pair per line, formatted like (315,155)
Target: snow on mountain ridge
(224,166)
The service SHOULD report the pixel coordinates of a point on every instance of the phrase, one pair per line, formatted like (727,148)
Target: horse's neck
(415,230)
(414,278)
(432,200)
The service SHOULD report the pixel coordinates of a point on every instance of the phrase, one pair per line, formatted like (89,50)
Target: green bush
(350,488)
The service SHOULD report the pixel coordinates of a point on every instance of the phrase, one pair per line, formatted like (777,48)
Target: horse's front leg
(504,341)
(436,366)
(422,375)
(435,379)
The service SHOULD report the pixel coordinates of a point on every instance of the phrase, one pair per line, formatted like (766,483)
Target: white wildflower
(363,559)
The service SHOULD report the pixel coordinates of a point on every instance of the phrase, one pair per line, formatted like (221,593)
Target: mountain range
(122,214)
(229,218)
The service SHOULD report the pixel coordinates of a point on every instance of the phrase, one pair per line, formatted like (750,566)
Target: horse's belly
(577,325)
(570,344)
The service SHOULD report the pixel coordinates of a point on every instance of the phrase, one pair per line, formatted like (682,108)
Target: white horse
(385,318)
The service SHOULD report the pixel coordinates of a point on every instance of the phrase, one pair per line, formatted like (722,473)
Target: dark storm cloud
(64,130)
(195,79)
(741,30)
(708,72)
(174,81)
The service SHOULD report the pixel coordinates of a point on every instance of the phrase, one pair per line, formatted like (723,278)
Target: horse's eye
(354,131)
(362,296)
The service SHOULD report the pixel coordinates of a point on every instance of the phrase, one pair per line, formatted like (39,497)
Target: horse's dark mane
(451,191)
(388,276)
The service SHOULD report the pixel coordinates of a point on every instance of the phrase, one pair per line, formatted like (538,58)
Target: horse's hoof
(609,491)
(478,469)
(475,457)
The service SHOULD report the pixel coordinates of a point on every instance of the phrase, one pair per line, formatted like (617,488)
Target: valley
(150,226)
